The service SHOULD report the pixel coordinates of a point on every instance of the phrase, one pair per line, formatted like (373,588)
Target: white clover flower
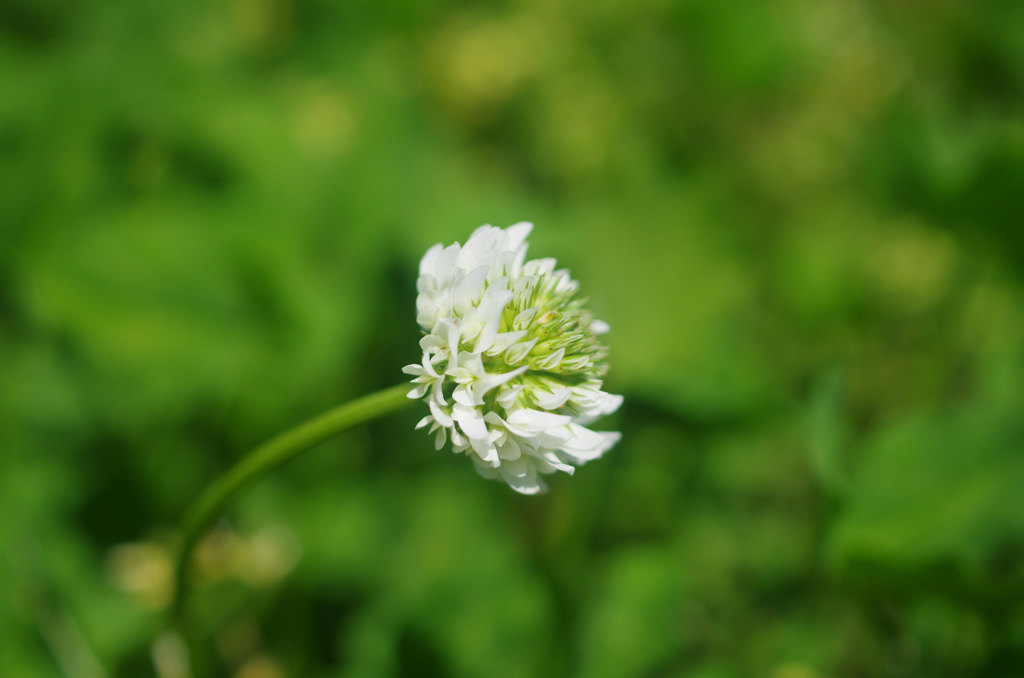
(511,365)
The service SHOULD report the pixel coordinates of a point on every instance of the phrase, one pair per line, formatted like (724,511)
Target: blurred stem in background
(264,459)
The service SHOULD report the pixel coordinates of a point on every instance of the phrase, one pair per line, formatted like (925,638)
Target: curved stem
(268,456)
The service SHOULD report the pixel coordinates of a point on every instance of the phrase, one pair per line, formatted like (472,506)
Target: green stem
(267,457)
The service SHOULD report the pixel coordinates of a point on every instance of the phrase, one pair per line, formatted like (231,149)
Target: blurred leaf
(678,299)
(828,432)
(934,489)
(200,313)
(457,585)
(635,623)
(210,218)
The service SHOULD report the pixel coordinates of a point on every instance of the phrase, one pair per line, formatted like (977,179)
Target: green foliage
(801,220)
(945,488)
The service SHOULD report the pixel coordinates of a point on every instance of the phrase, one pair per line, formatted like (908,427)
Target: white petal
(502,265)
(471,421)
(428,316)
(523,284)
(612,403)
(552,400)
(428,264)
(487,335)
(468,291)
(486,451)
(551,361)
(592,405)
(537,267)
(509,449)
(479,242)
(430,341)
(524,319)
(599,327)
(492,381)
(503,340)
(494,301)
(518,352)
(460,374)
(428,367)
(522,435)
(485,470)
(517,261)
(551,459)
(525,484)
(437,392)
(537,419)
(464,396)
(508,395)
(517,234)
(453,344)
(443,418)
(491,309)
(446,270)
(481,229)
(554,437)
(515,467)
(426,284)
(441,439)
(564,283)
(494,419)
(473,363)
(586,444)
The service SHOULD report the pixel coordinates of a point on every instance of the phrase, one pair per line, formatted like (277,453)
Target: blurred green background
(802,219)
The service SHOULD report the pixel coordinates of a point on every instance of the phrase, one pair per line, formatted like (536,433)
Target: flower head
(512,365)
